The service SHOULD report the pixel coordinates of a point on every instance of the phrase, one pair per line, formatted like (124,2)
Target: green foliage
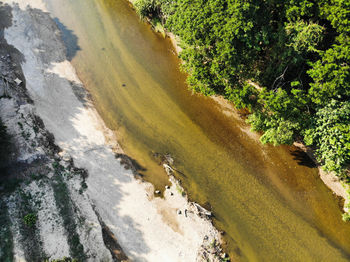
(331,74)
(280,116)
(30,219)
(147,8)
(337,12)
(158,26)
(280,131)
(242,97)
(276,130)
(346,217)
(330,132)
(297,9)
(304,36)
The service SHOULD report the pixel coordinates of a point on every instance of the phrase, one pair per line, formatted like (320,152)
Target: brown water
(269,201)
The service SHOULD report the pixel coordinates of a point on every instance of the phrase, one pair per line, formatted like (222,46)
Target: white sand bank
(148,229)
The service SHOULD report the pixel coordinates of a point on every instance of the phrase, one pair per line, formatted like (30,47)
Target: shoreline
(148,228)
(331,180)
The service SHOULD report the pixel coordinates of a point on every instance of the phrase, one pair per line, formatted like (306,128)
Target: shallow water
(269,201)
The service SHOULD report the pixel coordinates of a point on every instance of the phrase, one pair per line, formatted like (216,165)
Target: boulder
(18,81)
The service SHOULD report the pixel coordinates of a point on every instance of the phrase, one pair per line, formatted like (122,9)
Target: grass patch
(346,217)
(158,26)
(180,190)
(28,230)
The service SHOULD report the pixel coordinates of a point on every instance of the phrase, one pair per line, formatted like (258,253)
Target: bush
(30,219)
(346,217)
(147,8)
(330,133)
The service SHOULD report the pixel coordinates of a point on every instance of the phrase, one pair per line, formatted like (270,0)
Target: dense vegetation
(286,61)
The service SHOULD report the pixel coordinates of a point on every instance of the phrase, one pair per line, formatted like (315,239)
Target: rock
(18,82)
(169,159)
(206,237)
(201,211)
(168,169)
(179,212)
(65,156)
(222,232)
(157,192)
(167,187)
(171,193)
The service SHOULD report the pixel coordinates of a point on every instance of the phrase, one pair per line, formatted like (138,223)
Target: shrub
(30,219)
(330,132)
(346,217)
(147,8)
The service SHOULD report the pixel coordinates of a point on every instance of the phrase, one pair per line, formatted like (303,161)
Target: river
(269,200)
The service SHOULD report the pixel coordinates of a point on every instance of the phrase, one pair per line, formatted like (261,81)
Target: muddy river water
(268,200)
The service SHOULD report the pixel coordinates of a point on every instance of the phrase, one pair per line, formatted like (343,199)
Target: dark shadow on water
(69,38)
(302,158)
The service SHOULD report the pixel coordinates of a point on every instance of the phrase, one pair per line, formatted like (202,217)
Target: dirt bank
(106,203)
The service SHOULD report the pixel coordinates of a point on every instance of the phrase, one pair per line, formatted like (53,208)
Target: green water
(272,206)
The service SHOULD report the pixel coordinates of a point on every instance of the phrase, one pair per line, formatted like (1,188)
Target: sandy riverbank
(147,228)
